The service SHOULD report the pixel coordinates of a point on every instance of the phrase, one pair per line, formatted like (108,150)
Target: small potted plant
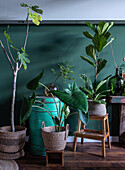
(99,42)
(13,137)
(64,73)
(71,97)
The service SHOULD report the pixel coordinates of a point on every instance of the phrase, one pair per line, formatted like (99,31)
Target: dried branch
(27,32)
(7,55)
(10,51)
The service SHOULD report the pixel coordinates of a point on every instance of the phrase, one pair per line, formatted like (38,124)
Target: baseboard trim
(71,139)
(112,139)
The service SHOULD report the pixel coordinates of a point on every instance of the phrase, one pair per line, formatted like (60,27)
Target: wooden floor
(87,157)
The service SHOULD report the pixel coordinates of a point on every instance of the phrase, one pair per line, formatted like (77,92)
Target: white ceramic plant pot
(96,109)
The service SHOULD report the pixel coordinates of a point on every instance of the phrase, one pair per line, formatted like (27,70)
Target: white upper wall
(66,9)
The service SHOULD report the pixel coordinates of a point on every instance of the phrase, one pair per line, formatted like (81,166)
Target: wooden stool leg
(103,140)
(75,143)
(107,128)
(83,127)
(103,127)
(103,148)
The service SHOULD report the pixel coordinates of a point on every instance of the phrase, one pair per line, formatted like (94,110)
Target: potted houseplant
(64,73)
(99,42)
(13,137)
(72,97)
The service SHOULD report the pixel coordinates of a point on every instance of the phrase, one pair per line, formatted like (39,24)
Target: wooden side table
(121,101)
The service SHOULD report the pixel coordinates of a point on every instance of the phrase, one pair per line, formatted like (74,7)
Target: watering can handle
(42,125)
(67,130)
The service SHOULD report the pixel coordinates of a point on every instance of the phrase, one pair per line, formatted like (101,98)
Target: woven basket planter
(12,142)
(96,109)
(54,141)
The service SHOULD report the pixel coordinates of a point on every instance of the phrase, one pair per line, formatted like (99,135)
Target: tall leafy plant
(21,58)
(99,41)
(71,97)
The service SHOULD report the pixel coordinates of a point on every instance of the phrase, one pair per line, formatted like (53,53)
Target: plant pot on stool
(54,141)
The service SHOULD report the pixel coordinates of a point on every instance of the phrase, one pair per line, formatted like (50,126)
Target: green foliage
(71,97)
(34,83)
(34,16)
(65,72)
(100,41)
(7,36)
(94,93)
(22,57)
(101,64)
(27,107)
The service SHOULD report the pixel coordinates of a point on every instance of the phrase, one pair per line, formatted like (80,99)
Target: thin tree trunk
(96,72)
(13,98)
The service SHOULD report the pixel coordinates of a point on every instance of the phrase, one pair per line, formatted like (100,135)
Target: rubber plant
(21,58)
(100,40)
(71,97)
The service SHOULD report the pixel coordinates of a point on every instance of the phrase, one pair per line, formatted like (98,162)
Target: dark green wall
(47,46)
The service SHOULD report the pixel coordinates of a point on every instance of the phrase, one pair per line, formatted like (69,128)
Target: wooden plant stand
(94,134)
(55,158)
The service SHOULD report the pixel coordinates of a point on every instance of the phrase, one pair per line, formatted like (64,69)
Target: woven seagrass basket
(12,142)
(54,141)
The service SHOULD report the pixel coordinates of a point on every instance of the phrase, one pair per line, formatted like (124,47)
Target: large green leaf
(91,51)
(102,83)
(101,64)
(112,39)
(34,83)
(92,26)
(22,57)
(35,18)
(83,117)
(88,35)
(112,23)
(99,42)
(88,60)
(87,92)
(87,82)
(102,27)
(35,8)
(107,35)
(26,108)
(74,98)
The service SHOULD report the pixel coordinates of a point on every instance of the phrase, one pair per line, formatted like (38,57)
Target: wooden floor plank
(88,156)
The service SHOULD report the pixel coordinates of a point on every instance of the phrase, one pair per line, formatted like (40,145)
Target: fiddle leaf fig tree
(99,41)
(21,58)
